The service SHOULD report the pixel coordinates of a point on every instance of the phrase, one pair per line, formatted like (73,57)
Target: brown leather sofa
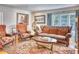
(62,34)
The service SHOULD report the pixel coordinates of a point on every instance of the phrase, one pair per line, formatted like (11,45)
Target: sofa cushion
(52,35)
(56,36)
(2,30)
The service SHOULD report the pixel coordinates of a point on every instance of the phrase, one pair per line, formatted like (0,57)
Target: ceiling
(38,7)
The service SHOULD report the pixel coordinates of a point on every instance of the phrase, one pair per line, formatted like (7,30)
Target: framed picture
(40,19)
(22,18)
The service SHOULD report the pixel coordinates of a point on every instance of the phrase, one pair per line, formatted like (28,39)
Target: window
(73,24)
(72,21)
(64,20)
(57,20)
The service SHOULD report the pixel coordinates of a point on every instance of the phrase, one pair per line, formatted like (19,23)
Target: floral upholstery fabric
(22,30)
(21,27)
(6,40)
(2,30)
(25,35)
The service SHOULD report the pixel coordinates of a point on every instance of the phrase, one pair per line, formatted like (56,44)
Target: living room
(57,25)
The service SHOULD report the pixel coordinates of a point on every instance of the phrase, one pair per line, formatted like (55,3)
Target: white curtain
(1,18)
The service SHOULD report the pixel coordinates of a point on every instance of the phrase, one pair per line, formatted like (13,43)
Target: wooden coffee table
(40,40)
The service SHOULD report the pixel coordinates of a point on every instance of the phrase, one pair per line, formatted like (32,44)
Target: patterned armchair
(4,38)
(22,31)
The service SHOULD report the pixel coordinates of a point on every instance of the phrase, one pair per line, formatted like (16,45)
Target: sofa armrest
(68,35)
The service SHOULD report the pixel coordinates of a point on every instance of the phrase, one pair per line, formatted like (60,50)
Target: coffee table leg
(51,49)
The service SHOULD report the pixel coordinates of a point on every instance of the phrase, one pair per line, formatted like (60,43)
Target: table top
(43,40)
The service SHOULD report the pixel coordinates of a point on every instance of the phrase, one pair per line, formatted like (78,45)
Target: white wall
(9,15)
(1,18)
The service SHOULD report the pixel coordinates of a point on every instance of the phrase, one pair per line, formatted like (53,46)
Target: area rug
(30,47)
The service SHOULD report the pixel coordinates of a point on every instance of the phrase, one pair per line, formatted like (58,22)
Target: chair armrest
(68,35)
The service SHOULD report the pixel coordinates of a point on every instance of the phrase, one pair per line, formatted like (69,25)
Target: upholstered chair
(22,31)
(5,38)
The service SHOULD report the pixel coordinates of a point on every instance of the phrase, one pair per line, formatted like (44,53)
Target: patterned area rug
(30,47)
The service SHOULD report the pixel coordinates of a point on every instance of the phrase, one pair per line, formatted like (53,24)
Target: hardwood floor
(3,52)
